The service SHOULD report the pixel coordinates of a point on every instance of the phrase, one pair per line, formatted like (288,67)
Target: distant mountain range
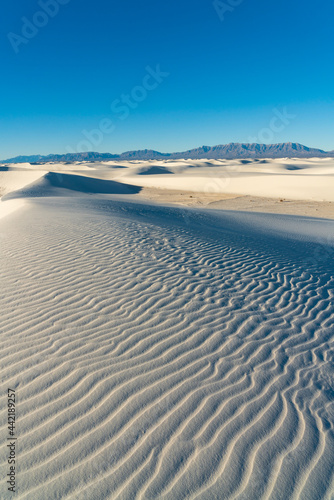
(225,151)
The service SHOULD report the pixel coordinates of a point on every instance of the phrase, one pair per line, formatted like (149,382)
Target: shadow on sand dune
(59,184)
(154,171)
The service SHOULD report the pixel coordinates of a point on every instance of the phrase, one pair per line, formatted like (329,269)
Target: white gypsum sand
(165,352)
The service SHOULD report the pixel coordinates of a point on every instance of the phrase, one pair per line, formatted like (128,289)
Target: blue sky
(226,74)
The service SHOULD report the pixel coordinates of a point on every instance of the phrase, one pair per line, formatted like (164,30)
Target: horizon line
(169,153)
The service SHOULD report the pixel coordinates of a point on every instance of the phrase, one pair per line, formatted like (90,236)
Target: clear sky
(111,76)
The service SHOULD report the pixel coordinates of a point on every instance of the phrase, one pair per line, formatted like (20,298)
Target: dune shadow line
(55,184)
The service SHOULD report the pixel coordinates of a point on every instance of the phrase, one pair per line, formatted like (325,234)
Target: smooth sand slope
(162,352)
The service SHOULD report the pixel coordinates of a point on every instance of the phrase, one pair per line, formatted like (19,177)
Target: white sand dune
(63,184)
(293,179)
(12,179)
(164,352)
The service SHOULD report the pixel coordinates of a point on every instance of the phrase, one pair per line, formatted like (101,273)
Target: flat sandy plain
(168,329)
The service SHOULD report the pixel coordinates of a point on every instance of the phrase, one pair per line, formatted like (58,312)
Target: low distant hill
(230,151)
(90,156)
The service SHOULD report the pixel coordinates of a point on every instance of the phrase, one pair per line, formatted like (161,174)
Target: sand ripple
(160,360)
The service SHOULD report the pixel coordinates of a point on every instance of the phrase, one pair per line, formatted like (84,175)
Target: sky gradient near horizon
(115,76)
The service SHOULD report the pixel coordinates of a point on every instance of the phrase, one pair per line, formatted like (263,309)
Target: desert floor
(166,351)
